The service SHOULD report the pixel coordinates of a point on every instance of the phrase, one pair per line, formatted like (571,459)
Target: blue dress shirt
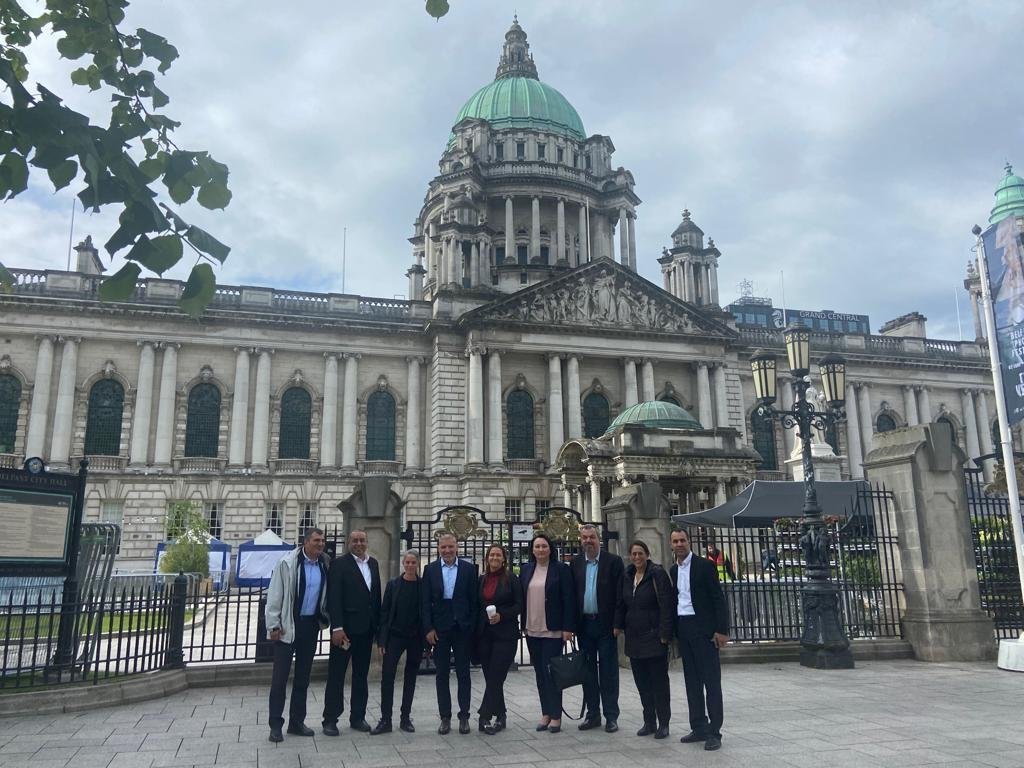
(449,573)
(590,591)
(309,598)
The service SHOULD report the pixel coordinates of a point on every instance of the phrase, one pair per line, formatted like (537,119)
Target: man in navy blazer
(449,614)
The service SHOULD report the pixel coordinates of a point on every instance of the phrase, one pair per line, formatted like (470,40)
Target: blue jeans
(601,687)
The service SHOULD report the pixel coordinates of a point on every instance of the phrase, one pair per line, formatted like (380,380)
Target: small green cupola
(1009,197)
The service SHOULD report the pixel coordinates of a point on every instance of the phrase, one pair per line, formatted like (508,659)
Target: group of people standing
(464,617)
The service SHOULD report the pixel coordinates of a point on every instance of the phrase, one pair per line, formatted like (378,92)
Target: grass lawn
(46,625)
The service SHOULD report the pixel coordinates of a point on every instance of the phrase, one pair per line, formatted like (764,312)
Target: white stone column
(629,375)
(555,433)
(535,230)
(582,232)
(165,406)
(35,441)
(687,282)
(721,402)
(867,419)
(979,326)
(455,265)
(785,391)
(984,431)
(924,402)
(261,411)
(139,455)
(623,238)
(475,425)
(486,254)
(510,231)
(631,222)
(495,448)
(704,396)
(350,412)
(910,405)
(474,265)
(970,423)
(573,406)
(713,276)
(329,416)
(720,493)
(596,515)
(705,282)
(431,246)
(853,444)
(239,409)
(64,409)
(559,250)
(413,453)
(647,381)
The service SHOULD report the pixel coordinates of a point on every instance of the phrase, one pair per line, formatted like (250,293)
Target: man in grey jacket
(296,613)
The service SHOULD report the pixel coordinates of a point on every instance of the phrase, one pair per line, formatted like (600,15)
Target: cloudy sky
(851,148)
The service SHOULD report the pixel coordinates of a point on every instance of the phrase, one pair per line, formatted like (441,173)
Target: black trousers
(542,651)
(601,686)
(337,669)
(455,641)
(651,678)
(412,647)
(496,657)
(307,628)
(702,673)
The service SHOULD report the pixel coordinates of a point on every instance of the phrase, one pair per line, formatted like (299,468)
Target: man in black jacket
(353,602)
(702,627)
(597,576)
(448,617)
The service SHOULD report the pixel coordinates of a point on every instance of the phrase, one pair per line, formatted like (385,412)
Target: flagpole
(1005,436)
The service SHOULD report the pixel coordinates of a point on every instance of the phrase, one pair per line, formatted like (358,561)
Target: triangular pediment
(599,296)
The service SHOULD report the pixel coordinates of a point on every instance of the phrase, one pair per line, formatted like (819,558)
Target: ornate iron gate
(992,536)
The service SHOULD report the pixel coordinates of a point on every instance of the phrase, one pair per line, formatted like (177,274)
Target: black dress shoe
(362,726)
(299,729)
(330,729)
(541,727)
(611,726)
(275,734)
(712,743)
(555,728)
(499,723)
(661,733)
(647,730)
(384,726)
(407,726)
(488,728)
(693,737)
(445,727)
(590,722)
(464,725)
(483,725)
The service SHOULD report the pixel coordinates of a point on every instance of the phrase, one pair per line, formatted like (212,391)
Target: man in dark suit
(353,603)
(597,576)
(702,628)
(448,617)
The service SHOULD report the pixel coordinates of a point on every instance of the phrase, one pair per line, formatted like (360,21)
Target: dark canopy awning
(764,501)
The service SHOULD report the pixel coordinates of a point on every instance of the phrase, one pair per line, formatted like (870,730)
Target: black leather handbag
(568,670)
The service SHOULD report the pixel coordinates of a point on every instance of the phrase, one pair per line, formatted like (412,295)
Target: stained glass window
(596,416)
(296,410)
(763,430)
(103,427)
(10,402)
(519,409)
(380,427)
(202,425)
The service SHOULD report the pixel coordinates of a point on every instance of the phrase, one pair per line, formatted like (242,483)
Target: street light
(823,644)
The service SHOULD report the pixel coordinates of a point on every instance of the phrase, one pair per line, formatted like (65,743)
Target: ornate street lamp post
(823,644)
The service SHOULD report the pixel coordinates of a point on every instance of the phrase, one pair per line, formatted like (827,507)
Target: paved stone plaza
(882,713)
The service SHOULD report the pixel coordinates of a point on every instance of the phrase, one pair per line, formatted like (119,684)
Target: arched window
(296,409)
(202,425)
(10,403)
(952,428)
(763,430)
(103,427)
(885,423)
(519,412)
(380,427)
(596,416)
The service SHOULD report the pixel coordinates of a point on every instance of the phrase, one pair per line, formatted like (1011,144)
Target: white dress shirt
(684,604)
(364,568)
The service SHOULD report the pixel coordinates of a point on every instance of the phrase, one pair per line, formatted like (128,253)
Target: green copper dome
(655,414)
(1009,197)
(524,102)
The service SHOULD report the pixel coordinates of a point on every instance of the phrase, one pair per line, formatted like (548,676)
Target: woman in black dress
(646,615)
(400,633)
(501,602)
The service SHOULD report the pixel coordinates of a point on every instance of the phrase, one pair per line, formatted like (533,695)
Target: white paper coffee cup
(491,610)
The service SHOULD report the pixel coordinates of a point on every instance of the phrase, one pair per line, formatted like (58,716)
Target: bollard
(174,657)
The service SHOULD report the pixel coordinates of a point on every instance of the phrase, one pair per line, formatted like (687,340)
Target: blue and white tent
(257,558)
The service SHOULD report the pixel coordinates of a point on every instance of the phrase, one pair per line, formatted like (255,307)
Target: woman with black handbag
(646,615)
(501,603)
(549,620)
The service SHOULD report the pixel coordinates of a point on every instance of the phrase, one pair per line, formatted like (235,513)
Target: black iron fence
(763,576)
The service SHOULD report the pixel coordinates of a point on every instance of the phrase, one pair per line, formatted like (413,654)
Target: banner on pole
(1004,253)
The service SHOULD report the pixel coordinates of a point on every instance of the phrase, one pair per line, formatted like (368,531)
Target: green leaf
(121,285)
(80,76)
(63,174)
(71,46)
(214,195)
(13,175)
(181,192)
(437,8)
(158,48)
(160,98)
(152,168)
(206,243)
(159,254)
(198,291)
